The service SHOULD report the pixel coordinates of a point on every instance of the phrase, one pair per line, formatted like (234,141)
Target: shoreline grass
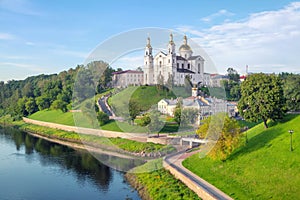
(263,168)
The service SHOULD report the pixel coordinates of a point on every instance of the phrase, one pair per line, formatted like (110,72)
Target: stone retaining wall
(188,182)
(140,137)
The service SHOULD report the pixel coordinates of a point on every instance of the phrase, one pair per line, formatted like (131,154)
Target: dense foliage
(229,138)
(262,98)
(291,90)
(55,91)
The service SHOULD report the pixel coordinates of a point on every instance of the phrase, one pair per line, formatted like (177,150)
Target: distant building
(127,78)
(216,80)
(205,106)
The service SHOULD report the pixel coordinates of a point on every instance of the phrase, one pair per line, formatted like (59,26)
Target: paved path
(204,189)
(103,107)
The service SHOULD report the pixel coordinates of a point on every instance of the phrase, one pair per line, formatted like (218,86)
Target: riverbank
(158,184)
(123,146)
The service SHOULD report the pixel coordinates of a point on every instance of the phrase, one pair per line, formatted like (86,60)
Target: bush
(103,118)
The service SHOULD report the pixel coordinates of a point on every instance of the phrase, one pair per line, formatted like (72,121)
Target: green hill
(145,96)
(264,168)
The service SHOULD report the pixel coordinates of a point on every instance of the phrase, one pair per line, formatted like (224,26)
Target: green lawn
(123,127)
(159,184)
(264,168)
(55,116)
(145,96)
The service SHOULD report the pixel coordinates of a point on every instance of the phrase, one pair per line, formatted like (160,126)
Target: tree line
(55,91)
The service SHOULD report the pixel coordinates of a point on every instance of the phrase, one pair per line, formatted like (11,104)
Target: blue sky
(50,36)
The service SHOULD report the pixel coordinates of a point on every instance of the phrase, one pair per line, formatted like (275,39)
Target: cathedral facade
(170,67)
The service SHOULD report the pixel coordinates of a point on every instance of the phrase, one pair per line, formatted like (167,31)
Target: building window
(199,68)
(182,65)
(146,62)
(159,63)
(177,65)
(189,66)
(169,60)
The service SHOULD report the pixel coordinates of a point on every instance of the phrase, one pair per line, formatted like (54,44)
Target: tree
(43,102)
(145,120)
(156,124)
(30,106)
(188,116)
(134,109)
(233,75)
(21,109)
(229,137)
(103,118)
(59,105)
(177,112)
(262,98)
(291,90)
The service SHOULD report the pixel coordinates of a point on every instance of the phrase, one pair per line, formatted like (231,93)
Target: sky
(51,36)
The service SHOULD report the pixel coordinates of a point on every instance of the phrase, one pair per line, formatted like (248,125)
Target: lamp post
(291,134)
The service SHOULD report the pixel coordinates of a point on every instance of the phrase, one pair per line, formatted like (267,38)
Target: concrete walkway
(201,187)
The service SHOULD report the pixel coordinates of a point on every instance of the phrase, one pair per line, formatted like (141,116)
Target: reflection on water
(53,165)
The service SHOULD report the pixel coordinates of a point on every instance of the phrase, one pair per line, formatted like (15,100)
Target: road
(103,107)
(175,161)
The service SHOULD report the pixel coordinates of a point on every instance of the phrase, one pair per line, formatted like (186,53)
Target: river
(33,168)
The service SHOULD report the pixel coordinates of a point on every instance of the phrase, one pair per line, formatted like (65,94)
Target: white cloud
(267,41)
(6,36)
(220,13)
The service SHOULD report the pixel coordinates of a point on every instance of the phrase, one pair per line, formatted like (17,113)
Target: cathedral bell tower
(148,63)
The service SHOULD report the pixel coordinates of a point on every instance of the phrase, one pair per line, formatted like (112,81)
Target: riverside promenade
(202,188)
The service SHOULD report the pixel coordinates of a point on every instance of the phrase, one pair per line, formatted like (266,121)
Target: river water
(34,169)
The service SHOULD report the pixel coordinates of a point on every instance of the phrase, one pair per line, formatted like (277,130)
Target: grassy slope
(145,96)
(55,116)
(264,168)
(159,183)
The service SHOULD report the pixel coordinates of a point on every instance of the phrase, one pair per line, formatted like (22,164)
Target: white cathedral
(166,67)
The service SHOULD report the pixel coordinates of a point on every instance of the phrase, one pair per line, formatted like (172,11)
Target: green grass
(264,168)
(123,127)
(244,123)
(133,146)
(145,96)
(124,144)
(55,116)
(160,184)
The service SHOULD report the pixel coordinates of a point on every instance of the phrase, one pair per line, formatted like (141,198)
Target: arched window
(199,68)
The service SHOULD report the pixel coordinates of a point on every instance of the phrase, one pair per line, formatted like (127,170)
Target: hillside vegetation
(264,168)
(144,96)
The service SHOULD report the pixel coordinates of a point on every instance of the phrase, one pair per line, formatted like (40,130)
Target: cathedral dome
(185,47)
